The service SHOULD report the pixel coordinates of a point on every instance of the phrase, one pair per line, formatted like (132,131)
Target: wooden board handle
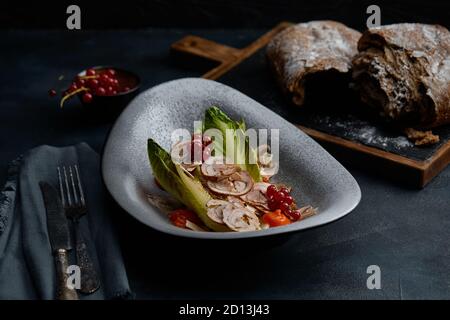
(226,56)
(206,49)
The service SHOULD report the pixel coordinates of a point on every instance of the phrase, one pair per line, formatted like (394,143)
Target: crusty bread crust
(403,70)
(308,48)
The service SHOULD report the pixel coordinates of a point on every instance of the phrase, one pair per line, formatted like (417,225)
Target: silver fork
(74,203)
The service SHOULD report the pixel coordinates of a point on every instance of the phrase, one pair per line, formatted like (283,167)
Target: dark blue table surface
(404,231)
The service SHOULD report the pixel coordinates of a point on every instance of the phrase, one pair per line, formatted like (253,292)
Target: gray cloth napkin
(27,269)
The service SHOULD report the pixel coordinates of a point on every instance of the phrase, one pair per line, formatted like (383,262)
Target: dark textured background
(213,13)
(405,231)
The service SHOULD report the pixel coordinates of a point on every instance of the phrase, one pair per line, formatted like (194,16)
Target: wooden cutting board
(340,128)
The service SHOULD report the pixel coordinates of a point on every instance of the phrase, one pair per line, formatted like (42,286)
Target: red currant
(104,81)
(73,87)
(80,82)
(206,140)
(293,215)
(288,213)
(279,196)
(284,206)
(93,83)
(87,97)
(100,91)
(273,204)
(197,137)
(206,153)
(196,150)
(90,72)
(271,190)
(109,91)
(288,199)
(111,72)
(52,92)
(285,190)
(126,89)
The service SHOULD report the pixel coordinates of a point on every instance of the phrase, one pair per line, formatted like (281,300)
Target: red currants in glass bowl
(103,90)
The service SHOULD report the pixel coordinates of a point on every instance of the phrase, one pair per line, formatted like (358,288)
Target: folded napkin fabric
(27,269)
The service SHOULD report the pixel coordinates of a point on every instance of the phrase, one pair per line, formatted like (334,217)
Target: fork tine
(80,187)
(61,189)
(69,198)
(75,196)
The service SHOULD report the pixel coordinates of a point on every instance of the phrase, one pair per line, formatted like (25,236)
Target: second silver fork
(73,200)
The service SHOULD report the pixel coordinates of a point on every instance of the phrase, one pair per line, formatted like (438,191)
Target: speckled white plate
(316,177)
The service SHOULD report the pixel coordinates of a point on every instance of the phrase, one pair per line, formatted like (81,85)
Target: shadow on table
(181,267)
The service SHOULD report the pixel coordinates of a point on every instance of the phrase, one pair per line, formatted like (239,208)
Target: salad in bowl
(220,181)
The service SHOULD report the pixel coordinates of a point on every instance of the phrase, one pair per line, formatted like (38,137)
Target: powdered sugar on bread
(311,47)
(411,64)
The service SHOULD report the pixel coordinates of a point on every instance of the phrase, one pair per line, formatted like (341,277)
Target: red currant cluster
(201,143)
(280,198)
(99,82)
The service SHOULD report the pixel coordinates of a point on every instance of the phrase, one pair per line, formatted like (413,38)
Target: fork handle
(63,291)
(89,278)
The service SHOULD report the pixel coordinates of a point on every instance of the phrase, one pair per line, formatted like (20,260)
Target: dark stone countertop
(404,231)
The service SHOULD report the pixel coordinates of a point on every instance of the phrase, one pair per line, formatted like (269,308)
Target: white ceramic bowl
(315,176)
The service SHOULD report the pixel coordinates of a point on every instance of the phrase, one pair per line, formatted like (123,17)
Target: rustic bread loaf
(310,48)
(403,71)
